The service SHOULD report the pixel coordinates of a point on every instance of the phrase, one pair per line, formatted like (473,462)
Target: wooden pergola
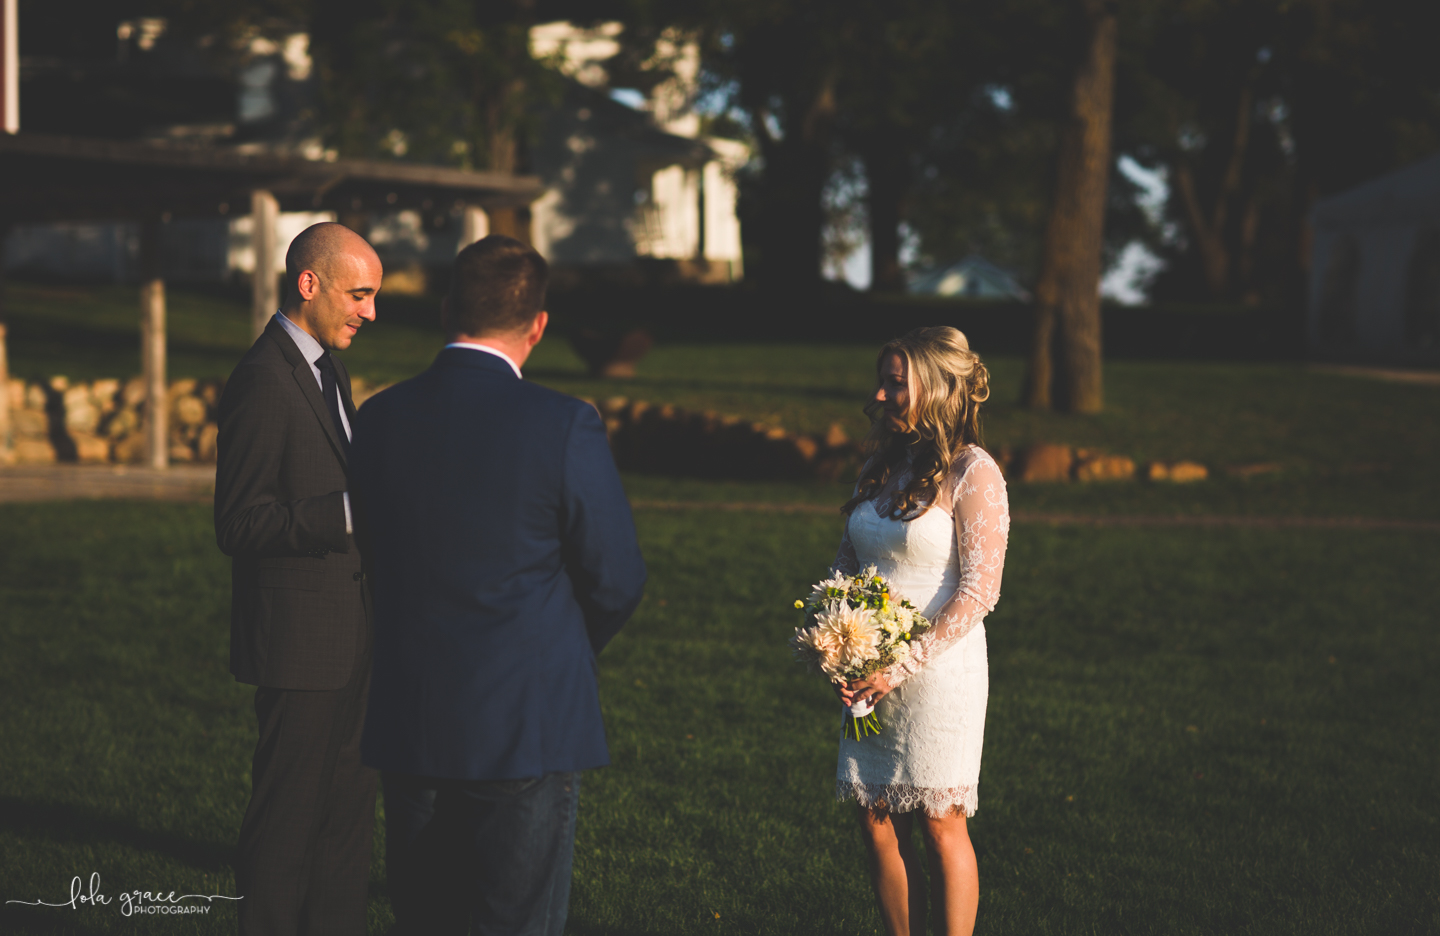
(55,178)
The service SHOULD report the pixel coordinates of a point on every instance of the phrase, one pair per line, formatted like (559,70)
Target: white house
(627,186)
(1375,270)
(627,183)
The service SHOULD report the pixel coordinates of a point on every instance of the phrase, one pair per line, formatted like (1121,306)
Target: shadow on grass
(77,825)
(48,920)
(576,928)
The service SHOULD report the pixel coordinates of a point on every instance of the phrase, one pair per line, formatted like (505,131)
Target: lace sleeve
(982,529)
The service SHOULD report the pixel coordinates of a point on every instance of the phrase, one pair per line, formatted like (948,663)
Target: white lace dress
(947,561)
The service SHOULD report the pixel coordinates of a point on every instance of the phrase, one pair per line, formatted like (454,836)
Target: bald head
(321,248)
(331,278)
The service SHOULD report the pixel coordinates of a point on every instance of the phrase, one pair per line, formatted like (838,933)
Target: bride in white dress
(930,513)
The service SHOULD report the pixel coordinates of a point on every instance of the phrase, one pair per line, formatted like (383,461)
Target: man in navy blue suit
(503,559)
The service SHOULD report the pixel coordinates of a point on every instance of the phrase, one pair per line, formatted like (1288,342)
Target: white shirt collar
(309,347)
(488,350)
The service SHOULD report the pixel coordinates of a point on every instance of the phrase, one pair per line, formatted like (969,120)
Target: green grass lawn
(1218,731)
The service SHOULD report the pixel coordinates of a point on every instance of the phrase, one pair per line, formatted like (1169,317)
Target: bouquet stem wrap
(859,721)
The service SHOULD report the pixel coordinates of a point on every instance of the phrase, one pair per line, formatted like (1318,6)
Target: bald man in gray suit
(300,620)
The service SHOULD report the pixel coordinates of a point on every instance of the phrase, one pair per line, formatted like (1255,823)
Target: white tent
(973,278)
(1375,271)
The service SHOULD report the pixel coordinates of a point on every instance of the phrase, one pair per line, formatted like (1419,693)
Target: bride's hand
(871,689)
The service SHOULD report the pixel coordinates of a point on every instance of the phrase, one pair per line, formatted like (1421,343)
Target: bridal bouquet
(855,626)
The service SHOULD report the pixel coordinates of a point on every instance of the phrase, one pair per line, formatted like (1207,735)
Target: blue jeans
(488,857)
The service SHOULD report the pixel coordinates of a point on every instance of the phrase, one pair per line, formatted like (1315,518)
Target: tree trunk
(500,128)
(1067,298)
(503,150)
(886,176)
(1249,234)
(1209,241)
(1210,231)
(797,166)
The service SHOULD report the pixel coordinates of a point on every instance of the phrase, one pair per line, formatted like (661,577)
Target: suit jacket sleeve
(601,550)
(250,517)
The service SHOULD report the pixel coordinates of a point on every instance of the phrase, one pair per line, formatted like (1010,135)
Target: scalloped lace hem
(903,798)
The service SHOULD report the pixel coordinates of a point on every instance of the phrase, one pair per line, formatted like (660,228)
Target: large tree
(906,66)
(1065,360)
(782,61)
(448,81)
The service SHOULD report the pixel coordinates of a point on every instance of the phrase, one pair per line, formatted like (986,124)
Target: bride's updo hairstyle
(947,384)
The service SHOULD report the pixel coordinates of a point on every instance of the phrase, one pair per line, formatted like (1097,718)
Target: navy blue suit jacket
(503,557)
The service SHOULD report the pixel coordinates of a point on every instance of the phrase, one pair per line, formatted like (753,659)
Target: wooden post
(264,294)
(474,225)
(7,442)
(152,345)
(700,216)
(9,66)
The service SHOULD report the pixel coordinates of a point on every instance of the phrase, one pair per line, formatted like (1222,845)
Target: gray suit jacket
(298,610)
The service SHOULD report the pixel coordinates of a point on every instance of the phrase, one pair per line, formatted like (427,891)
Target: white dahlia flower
(854,633)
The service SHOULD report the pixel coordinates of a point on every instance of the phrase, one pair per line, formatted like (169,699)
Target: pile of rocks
(673,441)
(669,440)
(1052,463)
(103,420)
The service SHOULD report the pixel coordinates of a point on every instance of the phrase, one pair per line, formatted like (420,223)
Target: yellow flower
(799,604)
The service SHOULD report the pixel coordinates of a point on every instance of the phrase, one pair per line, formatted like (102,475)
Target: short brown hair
(498,286)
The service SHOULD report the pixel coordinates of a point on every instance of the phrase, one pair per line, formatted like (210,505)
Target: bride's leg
(953,873)
(895,870)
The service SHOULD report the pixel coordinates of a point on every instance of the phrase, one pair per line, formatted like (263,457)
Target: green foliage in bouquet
(855,626)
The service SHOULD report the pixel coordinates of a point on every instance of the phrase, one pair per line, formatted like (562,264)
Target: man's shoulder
(262,369)
(265,353)
(397,394)
(547,396)
(530,396)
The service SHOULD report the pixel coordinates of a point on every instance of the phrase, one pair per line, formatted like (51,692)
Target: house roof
(654,146)
(60,178)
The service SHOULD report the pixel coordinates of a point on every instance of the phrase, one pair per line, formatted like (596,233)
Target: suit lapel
(305,379)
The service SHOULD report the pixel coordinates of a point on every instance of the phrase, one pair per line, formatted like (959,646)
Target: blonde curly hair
(948,382)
